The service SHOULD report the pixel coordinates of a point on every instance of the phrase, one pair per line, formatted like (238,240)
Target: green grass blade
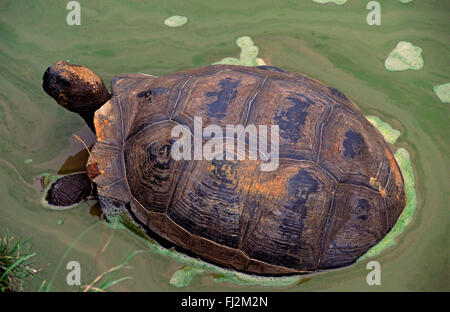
(116,281)
(19,261)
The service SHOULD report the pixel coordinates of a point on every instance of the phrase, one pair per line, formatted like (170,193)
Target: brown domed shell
(336,192)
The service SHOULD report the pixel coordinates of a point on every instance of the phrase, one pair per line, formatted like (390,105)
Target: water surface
(328,42)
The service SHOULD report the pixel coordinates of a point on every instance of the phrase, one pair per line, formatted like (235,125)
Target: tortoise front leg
(66,191)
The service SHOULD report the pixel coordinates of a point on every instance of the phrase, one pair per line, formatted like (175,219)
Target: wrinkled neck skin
(89,119)
(87,112)
(89,115)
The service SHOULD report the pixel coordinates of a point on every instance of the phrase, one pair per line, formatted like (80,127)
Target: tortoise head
(76,88)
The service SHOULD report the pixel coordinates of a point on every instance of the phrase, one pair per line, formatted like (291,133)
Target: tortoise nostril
(46,83)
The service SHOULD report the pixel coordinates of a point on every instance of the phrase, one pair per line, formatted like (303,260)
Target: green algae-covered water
(329,42)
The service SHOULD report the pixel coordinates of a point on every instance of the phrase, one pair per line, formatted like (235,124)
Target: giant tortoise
(336,192)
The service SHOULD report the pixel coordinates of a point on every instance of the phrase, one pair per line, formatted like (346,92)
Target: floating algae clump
(404,56)
(404,162)
(175,21)
(443,92)
(184,276)
(338,2)
(245,41)
(390,134)
(248,56)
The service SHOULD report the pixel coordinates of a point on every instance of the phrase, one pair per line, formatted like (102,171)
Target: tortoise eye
(64,83)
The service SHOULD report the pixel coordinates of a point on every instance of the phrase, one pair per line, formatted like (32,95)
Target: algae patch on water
(248,56)
(184,276)
(405,56)
(443,92)
(175,21)
(338,2)
(390,134)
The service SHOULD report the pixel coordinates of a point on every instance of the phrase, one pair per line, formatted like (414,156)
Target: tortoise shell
(336,192)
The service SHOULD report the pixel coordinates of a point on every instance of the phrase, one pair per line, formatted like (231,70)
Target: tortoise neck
(89,119)
(88,111)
